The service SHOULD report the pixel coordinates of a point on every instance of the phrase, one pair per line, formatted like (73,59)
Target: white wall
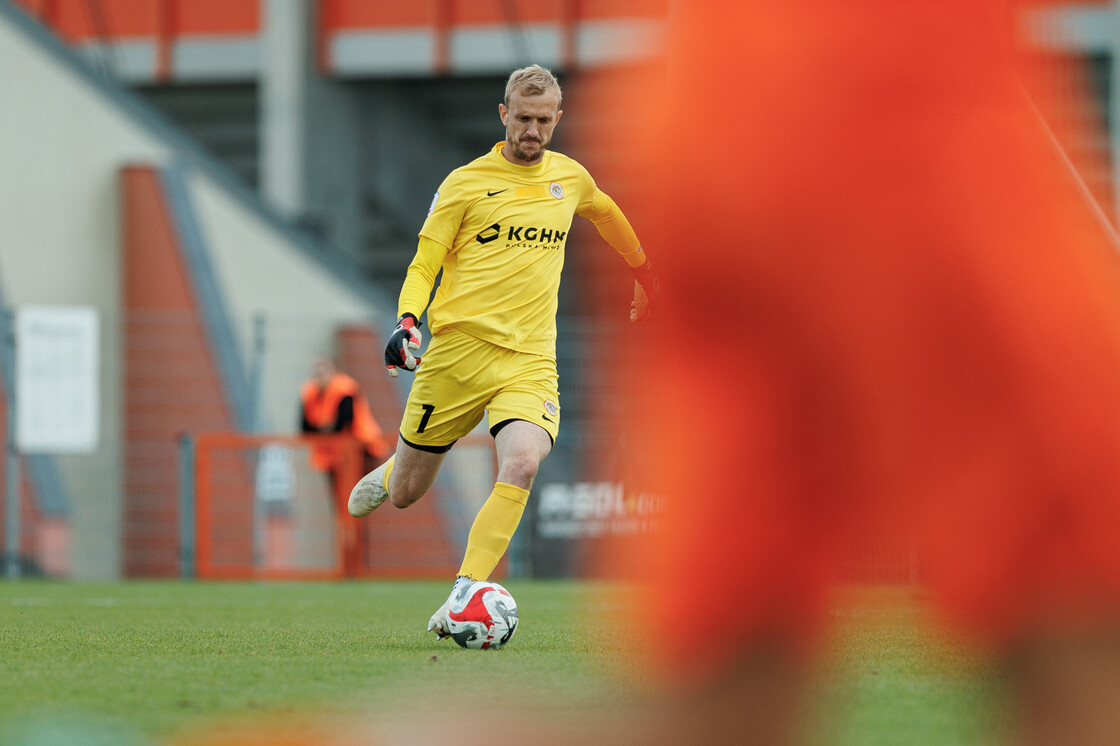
(262,275)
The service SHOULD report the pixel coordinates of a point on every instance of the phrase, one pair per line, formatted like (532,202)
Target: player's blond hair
(532,81)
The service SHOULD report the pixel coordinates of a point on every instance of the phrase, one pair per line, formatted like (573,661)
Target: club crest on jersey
(432,206)
(556,190)
(551,408)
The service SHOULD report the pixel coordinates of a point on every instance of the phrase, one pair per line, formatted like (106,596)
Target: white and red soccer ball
(483,616)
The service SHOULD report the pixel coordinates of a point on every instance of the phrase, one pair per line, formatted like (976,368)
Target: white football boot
(368,493)
(440,623)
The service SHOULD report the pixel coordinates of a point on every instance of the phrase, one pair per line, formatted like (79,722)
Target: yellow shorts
(460,378)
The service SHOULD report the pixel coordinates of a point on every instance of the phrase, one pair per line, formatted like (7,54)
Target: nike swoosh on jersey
(491,194)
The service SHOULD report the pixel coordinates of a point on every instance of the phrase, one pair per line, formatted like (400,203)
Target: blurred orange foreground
(888,306)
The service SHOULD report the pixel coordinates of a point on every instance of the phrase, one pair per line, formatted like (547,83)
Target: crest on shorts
(556,190)
(551,408)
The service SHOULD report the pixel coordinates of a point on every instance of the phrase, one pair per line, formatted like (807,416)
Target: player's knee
(403,498)
(406,489)
(519,470)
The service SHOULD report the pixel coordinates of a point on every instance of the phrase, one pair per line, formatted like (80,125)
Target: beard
(522,155)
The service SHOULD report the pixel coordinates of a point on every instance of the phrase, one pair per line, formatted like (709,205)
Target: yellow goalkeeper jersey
(498,230)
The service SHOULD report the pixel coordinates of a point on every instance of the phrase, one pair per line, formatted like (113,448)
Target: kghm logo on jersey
(544,238)
(489,234)
(556,190)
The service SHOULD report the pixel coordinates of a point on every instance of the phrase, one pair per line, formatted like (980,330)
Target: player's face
(529,122)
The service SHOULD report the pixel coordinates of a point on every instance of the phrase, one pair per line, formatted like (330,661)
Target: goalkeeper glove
(404,339)
(647,289)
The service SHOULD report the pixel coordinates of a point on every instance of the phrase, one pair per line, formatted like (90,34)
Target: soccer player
(497,227)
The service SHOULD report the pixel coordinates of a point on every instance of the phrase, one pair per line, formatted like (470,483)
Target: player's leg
(521,447)
(406,476)
(521,444)
(524,420)
(439,411)
(412,473)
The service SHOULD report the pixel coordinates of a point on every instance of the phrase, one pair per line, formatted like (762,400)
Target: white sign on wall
(593,509)
(57,404)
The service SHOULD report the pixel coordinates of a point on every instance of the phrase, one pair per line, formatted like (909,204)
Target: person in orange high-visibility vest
(333,402)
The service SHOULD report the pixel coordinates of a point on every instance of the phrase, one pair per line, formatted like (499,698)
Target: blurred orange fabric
(886,303)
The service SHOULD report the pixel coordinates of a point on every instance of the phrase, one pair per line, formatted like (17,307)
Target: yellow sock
(388,470)
(492,530)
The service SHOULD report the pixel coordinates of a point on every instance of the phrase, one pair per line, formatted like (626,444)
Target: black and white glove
(404,339)
(647,289)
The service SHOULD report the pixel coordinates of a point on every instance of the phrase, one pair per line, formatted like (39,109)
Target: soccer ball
(483,616)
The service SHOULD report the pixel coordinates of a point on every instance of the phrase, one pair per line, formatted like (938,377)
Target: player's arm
(616,230)
(417,289)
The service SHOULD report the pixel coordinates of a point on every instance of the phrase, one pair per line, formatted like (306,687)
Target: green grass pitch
(177,663)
